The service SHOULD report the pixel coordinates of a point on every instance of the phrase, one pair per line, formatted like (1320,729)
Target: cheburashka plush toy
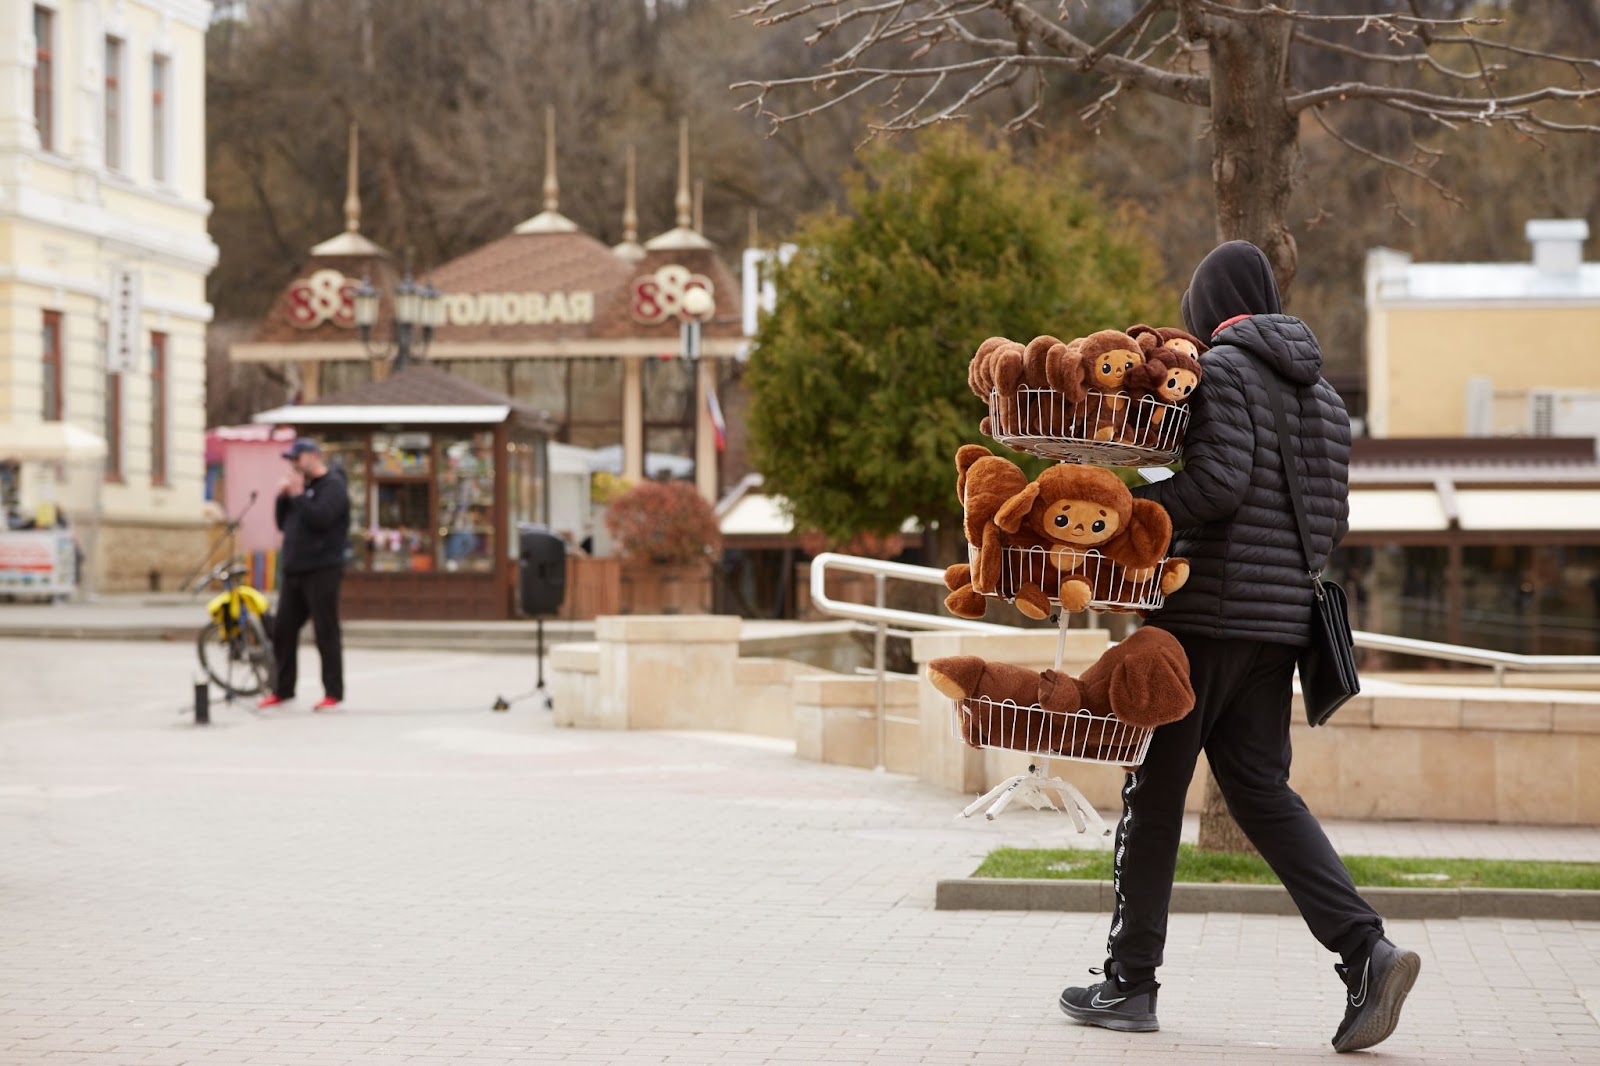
(1096,537)
(1169,375)
(984,482)
(997,369)
(1089,373)
(1143,681)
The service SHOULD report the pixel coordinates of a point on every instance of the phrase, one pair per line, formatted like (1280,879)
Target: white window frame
(163,164)
(124,147)
(54,7)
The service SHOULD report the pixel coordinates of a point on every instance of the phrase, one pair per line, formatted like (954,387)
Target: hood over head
(1233,279)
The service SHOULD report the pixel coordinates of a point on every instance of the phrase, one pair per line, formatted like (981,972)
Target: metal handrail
(880,617)
(1500,661)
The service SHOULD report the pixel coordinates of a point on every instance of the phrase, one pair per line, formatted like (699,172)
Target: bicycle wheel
(258,651)
(227,661)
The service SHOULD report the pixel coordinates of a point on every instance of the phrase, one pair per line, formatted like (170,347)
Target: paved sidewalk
(416,879)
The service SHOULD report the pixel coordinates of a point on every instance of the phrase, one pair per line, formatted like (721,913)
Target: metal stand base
(501,703)
(1041,792)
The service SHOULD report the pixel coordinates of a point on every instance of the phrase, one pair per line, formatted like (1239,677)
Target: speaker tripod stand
(501,703)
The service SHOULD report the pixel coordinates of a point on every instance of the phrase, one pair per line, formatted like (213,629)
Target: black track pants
(313,595)
(1243,699)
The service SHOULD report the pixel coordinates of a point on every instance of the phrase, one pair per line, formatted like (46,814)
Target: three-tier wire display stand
(1103,430)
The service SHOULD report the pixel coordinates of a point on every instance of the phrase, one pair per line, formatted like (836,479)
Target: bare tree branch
(1358,90)
(1398,59)
(1187,88)
(1395,164)
(1369,19)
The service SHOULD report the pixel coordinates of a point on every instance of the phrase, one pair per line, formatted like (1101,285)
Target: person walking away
(1243,618)
(313,512)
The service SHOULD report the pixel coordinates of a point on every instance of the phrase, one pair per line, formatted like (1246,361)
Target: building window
(158,408)
(158,118)
(52,366)
(113,103)
(44,76)
(113,426)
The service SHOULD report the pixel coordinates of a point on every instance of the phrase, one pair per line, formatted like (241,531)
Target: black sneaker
(1112,1005)
(1377,989)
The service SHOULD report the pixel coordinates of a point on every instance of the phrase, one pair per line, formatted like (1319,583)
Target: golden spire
(684,236)
(630,209)
(352,194)
(550,220)
(750,239)
(699,205)
(350,242)
(552,188)
(682,203)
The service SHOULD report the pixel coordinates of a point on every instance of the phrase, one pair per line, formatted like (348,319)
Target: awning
(311,414)
(756,515)
(1555,510)
(48,442)
(1396,511)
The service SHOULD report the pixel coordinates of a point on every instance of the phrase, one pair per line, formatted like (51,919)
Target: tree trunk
(1255,151)
(1255,138)
(1218,830)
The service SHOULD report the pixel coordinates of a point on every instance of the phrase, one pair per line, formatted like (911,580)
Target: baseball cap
(300,446)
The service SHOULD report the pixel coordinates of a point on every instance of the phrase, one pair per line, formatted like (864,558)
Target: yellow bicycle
(235,646)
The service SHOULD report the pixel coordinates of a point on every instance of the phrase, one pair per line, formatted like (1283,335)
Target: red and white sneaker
(326,703)
(268,701)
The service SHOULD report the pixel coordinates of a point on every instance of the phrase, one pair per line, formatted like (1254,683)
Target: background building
(103,261)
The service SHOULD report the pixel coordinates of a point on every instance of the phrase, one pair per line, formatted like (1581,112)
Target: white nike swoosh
(1102,1004)
(1358,1000)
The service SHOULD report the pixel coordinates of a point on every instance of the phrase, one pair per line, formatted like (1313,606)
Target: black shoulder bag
(1328,667)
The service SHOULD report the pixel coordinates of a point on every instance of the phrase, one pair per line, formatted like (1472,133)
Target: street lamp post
(418,310)
(697,306)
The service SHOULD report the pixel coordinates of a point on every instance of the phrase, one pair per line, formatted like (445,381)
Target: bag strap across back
(1291,474)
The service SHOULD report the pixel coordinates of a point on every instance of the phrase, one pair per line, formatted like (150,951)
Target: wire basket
(1106,429)
(1082,736)
(1115,587)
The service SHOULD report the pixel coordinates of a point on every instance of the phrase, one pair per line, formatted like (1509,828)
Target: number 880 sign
(659,296)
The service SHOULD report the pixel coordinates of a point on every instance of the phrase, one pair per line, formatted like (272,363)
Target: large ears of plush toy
(1145,540)
(966,455)
(1014,510)
(980,375)
(1146,377)
(1064,370)
(1150,684)
(1034,360)
(956,676)
(1146,336)
(1058,692)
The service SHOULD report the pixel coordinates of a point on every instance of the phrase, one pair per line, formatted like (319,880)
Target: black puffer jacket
(1230,503)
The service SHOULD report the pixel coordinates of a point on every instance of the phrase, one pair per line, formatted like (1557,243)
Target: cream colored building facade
(104,254)
(1486,349)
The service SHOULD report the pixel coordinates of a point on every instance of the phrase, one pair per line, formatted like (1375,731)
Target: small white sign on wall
(124,336)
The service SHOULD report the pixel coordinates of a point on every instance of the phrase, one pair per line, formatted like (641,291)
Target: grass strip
(1380,871)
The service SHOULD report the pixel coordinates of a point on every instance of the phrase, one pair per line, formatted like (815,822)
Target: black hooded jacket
(1230,503)
(315,524)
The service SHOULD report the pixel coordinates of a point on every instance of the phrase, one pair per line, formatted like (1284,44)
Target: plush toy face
(1111,367)
(1080,523)
(1184,345)
(1178,384)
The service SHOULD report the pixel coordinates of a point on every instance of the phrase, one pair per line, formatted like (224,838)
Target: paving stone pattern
(418,880)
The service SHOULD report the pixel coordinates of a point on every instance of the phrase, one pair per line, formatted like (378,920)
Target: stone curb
(1017,894)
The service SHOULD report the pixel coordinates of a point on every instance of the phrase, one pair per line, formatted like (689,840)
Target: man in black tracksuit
(313,511)
(1242,618)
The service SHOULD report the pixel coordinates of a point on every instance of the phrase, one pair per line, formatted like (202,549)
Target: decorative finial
(630,211)
(552,188)
(699,205)
(352,195)
(682,202)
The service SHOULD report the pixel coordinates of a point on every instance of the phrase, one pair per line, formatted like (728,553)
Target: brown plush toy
(1141,682)
(1074,510)
(1170,337)
(1097,364)
(1170,374)
(984,482)
(997,368)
